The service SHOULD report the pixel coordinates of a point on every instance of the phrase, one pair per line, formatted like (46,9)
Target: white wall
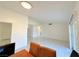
(55,31)
(19,26)
(33,21)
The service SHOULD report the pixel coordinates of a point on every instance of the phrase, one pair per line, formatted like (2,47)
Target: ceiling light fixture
(26,5)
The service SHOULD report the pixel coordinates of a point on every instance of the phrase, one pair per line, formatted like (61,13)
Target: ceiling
(44,11)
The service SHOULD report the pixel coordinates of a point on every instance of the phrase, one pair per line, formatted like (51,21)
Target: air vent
(50,23)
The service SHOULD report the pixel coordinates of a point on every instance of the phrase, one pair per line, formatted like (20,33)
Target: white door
(29,35)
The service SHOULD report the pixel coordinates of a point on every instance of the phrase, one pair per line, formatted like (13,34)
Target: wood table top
(22,53)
